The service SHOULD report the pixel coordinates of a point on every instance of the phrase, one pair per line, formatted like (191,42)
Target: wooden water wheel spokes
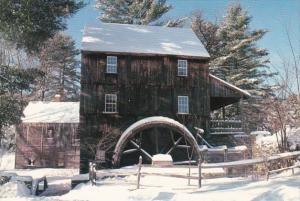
(134,147)
(177,142)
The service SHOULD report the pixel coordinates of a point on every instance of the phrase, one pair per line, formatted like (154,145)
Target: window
(111,64)
(183,104)
(110,103)
(182,68)
(50,133)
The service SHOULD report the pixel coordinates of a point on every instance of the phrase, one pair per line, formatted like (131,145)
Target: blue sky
(273,15)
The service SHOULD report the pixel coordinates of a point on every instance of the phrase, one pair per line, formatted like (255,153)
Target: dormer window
(182,68)
(111,64)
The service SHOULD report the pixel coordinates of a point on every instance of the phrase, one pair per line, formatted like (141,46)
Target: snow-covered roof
(246,93)
(51,112)
(125,38)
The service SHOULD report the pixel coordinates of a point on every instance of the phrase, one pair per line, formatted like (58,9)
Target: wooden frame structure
(143,124)
(146,84)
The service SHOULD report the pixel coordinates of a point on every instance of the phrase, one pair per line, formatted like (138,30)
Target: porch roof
(223,93)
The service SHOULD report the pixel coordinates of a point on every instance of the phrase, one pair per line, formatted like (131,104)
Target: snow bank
(103,192)
(7,160)
(293,135)
(14,189)
(266,140)
(48,172)
(260,133)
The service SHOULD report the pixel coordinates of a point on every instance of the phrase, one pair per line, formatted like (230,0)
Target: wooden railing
(226,127)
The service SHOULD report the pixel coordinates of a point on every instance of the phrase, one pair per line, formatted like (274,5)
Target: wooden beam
(129,151)
(174,146)
(142,150)
(183,146)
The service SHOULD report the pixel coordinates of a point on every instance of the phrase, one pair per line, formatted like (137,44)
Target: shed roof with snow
(157,40)
(51,112)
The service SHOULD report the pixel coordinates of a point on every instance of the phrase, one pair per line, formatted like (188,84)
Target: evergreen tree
(232,46)
(239,60)
(28,23)
(14,83)
(131,11)
(236,58)
(207,33)
(59,63)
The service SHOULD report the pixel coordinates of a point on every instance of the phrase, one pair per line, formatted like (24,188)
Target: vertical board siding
(32,142)
(145,86)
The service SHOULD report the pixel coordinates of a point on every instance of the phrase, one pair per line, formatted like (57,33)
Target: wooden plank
(174,145)
(249,162)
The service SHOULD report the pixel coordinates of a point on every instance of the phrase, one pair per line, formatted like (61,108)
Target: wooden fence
(232,164)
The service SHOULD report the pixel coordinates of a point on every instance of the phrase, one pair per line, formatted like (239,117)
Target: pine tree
(29,23)
(207,33)
(132,11)
(236,58)
(15,82)
(239,60)
(58,60)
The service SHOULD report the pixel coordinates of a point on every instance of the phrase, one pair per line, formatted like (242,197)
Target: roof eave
(144,54)
(245,93)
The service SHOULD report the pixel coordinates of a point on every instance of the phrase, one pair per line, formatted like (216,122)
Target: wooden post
(139,172)
(199,172)
(267,170)
(94,174)
(225,160)
(189,175)
(90,171)
(225,154)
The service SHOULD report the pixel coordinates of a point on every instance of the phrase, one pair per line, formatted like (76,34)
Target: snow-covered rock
(162,160)
(14,189)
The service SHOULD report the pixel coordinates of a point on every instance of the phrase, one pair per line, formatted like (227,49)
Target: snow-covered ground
(285,187)
(7,160)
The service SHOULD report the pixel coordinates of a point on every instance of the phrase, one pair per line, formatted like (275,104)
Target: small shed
(48,136)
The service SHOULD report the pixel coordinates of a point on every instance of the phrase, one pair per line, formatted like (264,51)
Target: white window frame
(111,101)
(182,67)
(112,64)
(183,105)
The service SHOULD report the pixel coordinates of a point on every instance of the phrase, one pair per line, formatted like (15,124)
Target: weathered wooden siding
(146,86)
(222,95)
(33,142)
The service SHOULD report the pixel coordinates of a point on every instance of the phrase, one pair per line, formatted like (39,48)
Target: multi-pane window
(183,104)
(110,103)
(182,68)
(111,64)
